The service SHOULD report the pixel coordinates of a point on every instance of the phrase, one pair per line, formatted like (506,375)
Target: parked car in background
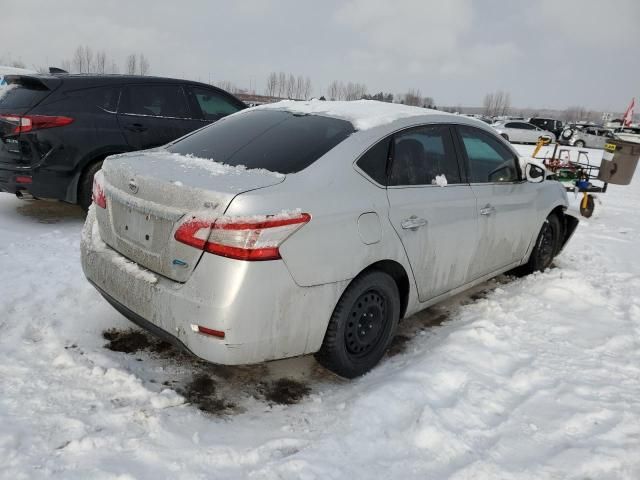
(521,132)
(322,225)
(586,136)
(549,124)
(56,130)
(629,134)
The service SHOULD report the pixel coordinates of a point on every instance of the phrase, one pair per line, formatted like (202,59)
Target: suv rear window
(22,96)
(278,141)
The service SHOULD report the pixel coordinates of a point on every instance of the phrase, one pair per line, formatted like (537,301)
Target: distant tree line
(86,60)
(282,85)
(497,103)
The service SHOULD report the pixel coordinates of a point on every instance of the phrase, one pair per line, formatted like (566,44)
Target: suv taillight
(241,238)
(29,123)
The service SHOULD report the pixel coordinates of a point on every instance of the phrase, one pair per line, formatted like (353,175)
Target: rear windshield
(21,96)
(278,141)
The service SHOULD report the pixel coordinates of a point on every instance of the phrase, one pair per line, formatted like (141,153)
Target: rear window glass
(20,96)
(275,140)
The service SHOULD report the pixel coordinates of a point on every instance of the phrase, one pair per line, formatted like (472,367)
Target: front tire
(579,144)
(547,246)
(362,325)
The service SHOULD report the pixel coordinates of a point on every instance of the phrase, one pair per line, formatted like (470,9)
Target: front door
(505,202)
(154,115)
(432,211)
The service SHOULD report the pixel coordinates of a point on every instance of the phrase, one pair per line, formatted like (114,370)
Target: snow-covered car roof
(15,71)
(363,114)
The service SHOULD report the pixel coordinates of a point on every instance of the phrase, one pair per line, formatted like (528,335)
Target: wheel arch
(84,165)
(399,275)
(569,224)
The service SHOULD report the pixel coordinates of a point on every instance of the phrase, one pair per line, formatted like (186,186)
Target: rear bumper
(8,181)
(264,314)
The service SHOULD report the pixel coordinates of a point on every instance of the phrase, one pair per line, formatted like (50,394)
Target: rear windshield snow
(19,96)
(277,141)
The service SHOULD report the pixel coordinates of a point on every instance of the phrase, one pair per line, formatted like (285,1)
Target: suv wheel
(361,326)
(85,187)
(579,144)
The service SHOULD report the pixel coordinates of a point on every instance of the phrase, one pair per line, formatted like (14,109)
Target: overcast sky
(546,53)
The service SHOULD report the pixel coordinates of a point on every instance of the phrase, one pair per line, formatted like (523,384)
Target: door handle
(488,210)
(136,127)
(413,223)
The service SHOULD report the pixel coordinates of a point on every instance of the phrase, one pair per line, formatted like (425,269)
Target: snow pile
(208,165)
(440,180)
(363,114)
(533,378)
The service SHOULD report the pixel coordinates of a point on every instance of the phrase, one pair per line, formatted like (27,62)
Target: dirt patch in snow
(49,212)
(285,391)
(127,341)
(201,392)
(398,345)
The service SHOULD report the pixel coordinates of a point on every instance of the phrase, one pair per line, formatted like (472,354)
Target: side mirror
(534,173)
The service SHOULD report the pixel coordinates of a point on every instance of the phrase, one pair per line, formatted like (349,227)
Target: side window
(489,160)
(87,100)
(154,100)
(374,161)
(526,126)
(424,156)
(213,104)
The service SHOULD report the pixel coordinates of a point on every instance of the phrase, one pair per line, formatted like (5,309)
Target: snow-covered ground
(533,378)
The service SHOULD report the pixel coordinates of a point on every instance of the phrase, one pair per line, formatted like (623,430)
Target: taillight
(242,238)
(29,123)
(98,196)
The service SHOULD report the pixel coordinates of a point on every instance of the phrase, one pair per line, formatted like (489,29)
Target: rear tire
(362,325)
(579,144)
(85,186)
(547,246)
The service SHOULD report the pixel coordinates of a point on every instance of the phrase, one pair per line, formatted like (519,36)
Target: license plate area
(138,227)
(146,230)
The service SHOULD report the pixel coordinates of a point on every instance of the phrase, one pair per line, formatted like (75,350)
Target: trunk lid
(150,193)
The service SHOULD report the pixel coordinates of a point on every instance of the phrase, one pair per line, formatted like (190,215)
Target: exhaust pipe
(24,195)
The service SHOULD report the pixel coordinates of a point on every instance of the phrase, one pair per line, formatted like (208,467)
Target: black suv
(549,124)
(55,130)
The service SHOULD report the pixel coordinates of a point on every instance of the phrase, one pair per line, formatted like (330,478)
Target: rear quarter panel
(330,247)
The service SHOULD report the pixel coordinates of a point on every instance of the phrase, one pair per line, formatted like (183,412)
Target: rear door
(505,203)
(431,209)
(152,115)
(528,132)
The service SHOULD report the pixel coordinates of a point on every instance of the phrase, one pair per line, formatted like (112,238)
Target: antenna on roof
(56,70)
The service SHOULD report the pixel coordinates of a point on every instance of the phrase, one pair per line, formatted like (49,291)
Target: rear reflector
(29,123)
(242,238)
(207,331)
(24,179)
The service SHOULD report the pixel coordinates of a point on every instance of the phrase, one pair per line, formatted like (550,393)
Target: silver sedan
(316,229)
(522,132)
